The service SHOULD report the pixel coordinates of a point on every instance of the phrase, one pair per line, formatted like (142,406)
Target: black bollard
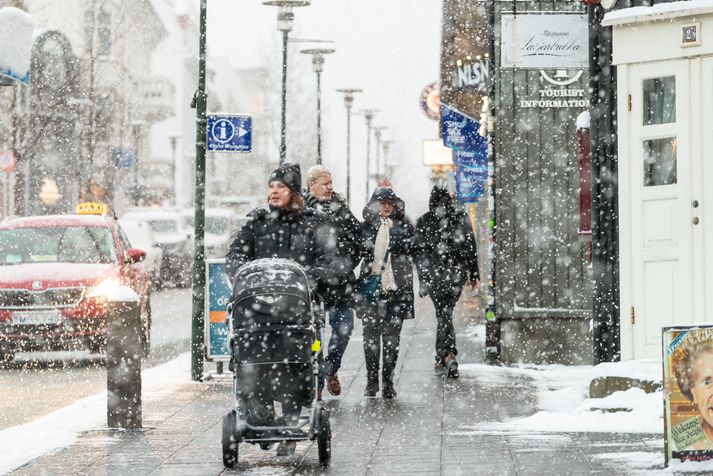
(123,361)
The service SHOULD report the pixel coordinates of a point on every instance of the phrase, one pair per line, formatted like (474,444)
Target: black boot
(388,391)
(372,388)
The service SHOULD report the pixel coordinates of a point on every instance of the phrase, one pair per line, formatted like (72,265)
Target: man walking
(321,196)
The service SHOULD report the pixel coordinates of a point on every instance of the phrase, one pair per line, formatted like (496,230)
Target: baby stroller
(276,322)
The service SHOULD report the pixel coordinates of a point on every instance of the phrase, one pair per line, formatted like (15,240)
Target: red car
(54,271)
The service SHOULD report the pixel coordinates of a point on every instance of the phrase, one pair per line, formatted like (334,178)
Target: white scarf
(388,282)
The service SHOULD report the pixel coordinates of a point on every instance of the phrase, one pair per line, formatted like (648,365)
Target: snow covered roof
(658,12)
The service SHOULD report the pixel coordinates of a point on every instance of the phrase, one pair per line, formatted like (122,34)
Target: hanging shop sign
(431,100)
(16,30)
(473,75)
(470,153)
(544,40)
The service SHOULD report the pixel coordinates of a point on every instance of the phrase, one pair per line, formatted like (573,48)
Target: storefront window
(659,100)
(660,162)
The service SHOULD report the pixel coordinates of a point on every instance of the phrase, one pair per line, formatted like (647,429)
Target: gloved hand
(423,290)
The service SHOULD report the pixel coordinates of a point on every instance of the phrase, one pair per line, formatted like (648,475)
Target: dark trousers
(382,326)
(341,319)
(445,303)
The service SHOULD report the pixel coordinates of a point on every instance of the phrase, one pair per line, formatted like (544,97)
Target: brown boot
(451,365)
(333,385)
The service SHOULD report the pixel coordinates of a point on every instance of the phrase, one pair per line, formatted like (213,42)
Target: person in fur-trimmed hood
(386,251)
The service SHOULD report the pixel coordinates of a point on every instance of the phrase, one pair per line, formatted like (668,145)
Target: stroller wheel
(230,441)
(266,446)
(324,437)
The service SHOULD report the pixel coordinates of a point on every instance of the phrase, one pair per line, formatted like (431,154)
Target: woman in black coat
(386,233)
(288,230)
(446,258)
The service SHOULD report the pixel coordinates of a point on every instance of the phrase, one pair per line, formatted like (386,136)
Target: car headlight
(104,288)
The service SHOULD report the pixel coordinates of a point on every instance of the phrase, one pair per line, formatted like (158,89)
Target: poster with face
(688,387)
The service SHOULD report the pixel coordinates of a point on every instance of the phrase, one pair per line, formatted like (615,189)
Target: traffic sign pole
(198,320)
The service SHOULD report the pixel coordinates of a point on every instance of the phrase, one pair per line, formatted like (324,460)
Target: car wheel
(97,344)
(7,354)
(146,329)
(230,441)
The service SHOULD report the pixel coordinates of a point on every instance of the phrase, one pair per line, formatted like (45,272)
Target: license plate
(36,317)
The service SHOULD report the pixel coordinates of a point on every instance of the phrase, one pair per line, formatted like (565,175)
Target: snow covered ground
(21,444)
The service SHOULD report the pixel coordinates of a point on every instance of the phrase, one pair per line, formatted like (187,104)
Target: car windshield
(76,244)
(163,226)
(214,225)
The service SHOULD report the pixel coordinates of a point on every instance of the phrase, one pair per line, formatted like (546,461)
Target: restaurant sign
(544,41)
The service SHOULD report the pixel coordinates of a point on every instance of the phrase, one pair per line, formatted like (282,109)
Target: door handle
(695,220)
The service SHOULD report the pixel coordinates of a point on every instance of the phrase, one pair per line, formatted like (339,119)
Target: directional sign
(229,133)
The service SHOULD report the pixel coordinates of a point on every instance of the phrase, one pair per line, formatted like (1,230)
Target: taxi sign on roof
(91,208)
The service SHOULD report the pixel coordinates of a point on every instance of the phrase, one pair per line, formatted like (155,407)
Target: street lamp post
(284,24)
(174,142)
(377,134)
(386,144)
(348,102)
(369,115)
(317,67)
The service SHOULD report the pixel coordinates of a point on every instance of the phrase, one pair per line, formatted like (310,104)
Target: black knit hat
(290,175)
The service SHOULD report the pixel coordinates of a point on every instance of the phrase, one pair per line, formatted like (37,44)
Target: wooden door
(660,181)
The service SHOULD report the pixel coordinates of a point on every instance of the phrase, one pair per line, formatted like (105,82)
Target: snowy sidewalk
(490,421)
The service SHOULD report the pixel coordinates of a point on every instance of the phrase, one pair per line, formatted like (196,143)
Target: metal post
(349,152)
(319,118)
(369,118)
(197,335)
(283,124)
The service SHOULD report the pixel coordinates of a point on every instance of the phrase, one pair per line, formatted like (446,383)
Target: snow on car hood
(53,274)
(169,239)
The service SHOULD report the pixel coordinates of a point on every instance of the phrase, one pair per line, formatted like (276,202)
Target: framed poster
(218,294)
(688,390)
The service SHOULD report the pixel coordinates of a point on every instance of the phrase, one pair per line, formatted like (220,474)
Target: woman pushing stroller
(286,229)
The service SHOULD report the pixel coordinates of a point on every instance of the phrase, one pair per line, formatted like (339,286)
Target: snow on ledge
(658,12)
(648,370)
(583,120)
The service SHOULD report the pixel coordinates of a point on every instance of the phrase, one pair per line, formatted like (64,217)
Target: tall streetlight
(317,67)
(386,144)
(377,134)
(369,116)
(348,101)
(284,24)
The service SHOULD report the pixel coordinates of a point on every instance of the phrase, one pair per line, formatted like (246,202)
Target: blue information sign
(229,133)
(218,294)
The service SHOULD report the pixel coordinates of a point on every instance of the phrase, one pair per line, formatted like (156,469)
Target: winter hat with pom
(289,174)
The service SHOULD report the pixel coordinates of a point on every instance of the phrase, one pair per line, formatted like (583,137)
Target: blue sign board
(124,158)
(470,153)
(218,294)
(229,133)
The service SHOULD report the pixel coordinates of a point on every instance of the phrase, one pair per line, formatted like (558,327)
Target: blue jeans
(341,319)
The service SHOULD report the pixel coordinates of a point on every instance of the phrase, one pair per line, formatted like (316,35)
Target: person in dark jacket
(321,196)
(446,257)
(386,251)
(288,230)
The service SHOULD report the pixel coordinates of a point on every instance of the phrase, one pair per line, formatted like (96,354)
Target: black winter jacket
(348,229)
(446,252)
(308,239)
(400,246)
